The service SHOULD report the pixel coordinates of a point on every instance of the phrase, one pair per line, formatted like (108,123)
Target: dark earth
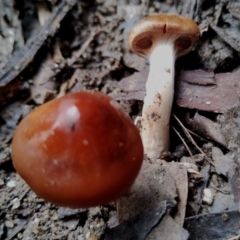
(50,48)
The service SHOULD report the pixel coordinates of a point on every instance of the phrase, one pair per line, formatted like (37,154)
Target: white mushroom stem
(158,100)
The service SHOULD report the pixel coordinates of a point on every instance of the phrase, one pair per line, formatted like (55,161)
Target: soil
(50,48)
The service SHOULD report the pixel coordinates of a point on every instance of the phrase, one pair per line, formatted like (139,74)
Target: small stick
(185,144)
(84,46)
(235,238)
(191,139)
(193,133)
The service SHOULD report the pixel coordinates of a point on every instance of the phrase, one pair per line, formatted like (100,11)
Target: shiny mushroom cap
(79,151)
(170,29)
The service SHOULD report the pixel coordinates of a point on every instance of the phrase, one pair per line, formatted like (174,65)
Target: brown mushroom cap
(181,31)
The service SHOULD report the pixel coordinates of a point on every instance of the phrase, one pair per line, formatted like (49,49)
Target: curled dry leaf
(206,128)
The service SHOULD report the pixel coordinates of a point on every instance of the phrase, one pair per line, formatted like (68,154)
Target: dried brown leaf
(206,128)
(216,98)
(197,76)
(179,173)
(139,226)
(224,164)
(153,185)
(156,182)
(194,89)
(168,229)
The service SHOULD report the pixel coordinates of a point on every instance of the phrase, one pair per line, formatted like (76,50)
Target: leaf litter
(80,46)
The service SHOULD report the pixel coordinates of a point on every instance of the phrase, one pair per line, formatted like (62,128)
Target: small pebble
(87,235)
(157,5)
(9,224)
(20,236)
(208,196)
(16,203)
(11,183)
(225,217)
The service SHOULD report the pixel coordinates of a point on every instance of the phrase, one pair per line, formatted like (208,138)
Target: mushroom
(161,38)
(80,150)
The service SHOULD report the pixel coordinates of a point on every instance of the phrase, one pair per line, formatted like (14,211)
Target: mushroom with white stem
(161,38)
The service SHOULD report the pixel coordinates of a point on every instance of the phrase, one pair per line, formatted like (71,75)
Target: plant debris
(50,48)
(222,225)
(139,226)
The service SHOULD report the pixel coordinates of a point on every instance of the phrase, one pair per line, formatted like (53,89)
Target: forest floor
(50,48)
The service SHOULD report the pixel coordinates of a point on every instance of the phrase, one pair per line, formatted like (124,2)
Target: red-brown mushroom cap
(80,150)
(181,31)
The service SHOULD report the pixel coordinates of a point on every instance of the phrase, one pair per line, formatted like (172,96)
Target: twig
(185,144)
(78,54)
(196,135)
(220,190)
(20,60)
(188,135)
(235,238)
(191,139)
